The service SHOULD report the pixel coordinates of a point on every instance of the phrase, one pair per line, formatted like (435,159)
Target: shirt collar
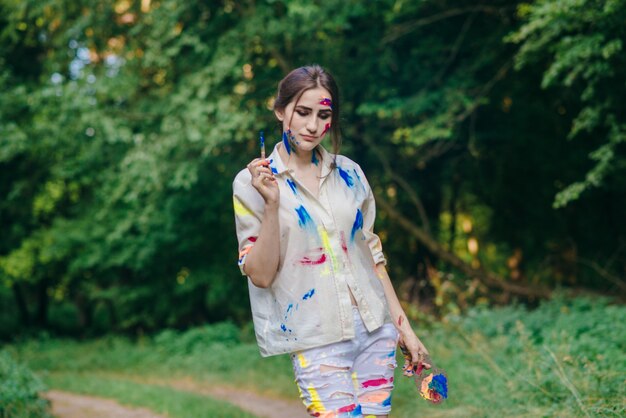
(278,166)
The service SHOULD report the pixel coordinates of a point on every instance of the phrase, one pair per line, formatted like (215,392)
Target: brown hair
(306,78)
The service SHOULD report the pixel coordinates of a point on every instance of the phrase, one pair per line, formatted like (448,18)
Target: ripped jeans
(351,378)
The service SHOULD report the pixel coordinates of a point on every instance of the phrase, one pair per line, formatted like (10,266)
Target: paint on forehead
(309,294)
(325,101)
(358,223)
(346,177)
(293,186)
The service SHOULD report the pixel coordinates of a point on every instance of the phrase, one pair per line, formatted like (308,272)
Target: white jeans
(351,378)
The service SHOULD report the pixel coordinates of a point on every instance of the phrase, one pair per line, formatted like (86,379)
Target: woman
(318,285)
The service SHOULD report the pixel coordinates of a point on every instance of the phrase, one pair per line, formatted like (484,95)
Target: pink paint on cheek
(326,129)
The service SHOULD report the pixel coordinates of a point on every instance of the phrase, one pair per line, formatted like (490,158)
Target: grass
(567,358)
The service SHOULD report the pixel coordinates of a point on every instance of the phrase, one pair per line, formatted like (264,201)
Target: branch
(413,197)
(452,259)
(402,29)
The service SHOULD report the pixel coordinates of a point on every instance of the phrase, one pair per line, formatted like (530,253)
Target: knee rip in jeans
(326,369)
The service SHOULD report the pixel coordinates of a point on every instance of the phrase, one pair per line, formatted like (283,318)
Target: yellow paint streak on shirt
(355,382)
(316,402)
(326,244)
(240,209)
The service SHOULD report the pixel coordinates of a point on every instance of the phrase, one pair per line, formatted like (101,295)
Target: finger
(262,162)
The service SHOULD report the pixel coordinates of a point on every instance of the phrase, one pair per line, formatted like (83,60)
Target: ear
(280,114)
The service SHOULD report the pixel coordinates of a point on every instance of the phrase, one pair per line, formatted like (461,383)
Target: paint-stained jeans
(351,378)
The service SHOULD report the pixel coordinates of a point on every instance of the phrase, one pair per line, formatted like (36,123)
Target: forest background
(492,134)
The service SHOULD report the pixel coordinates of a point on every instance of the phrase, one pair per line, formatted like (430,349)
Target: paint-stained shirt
(327,248)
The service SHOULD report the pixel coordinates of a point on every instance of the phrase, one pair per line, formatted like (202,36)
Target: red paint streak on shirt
(348,408)
(374,382)
(252,239)
(343,242)
(308,262)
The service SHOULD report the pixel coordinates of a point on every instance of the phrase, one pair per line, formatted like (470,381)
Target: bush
(19,391)
(199,339)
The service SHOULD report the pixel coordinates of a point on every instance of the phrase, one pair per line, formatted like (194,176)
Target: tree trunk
(41,318)
(20,301)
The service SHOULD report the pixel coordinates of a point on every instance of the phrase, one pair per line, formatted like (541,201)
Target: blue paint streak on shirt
(346,176)
(272,167)
(293,186)
(304,219)
(283,327)
(387,402)
(358,223)
(286,143)
(309,294)
(314,159)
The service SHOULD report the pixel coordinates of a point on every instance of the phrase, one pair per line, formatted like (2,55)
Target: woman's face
(309,120)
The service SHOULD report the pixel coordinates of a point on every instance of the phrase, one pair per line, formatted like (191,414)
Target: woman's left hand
(414,353)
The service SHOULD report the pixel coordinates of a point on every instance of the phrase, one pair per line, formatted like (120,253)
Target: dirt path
(259,405)
(71,405)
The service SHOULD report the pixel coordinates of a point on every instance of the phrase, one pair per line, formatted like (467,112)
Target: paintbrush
(262,140)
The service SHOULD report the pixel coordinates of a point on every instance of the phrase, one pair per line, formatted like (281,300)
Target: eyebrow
(308,108)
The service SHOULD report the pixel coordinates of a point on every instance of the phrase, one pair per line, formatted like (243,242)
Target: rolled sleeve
(248,207)
(369,216)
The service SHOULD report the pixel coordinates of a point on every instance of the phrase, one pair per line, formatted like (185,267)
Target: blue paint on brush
(304,219)
(293,186)
(309,294)
(346,177)
(358,223)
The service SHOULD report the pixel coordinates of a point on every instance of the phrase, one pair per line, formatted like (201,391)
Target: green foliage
(565,358)
(564,35)
(122,125)
(19,391)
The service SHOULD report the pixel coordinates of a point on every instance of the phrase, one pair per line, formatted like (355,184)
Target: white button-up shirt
(327,249)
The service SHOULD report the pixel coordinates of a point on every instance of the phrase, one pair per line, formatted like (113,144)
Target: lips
(308,138)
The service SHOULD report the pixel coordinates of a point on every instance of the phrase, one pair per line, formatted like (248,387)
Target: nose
(311,124)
